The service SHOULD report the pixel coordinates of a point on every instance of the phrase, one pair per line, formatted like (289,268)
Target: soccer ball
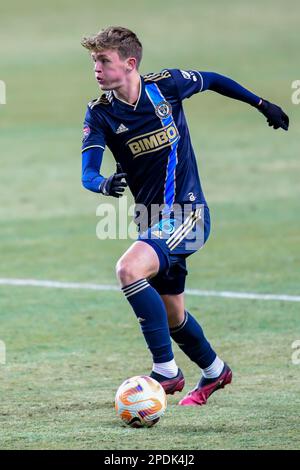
(140,401)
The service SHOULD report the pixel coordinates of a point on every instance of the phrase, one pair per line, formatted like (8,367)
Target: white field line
(99,287)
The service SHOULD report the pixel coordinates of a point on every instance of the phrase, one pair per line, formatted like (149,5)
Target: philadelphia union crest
(163,109)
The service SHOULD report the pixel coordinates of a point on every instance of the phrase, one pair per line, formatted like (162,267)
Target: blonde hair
(124,41)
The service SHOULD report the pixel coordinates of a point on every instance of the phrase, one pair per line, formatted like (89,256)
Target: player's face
(110,69)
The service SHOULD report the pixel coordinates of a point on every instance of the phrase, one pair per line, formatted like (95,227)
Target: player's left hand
(275,116)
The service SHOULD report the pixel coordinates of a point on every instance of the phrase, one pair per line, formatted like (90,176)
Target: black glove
(113,186)
(274,114)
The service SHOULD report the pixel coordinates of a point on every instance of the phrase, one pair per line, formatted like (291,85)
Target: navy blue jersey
(150,139)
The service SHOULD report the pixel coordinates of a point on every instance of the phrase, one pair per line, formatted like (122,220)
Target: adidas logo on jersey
(121,128)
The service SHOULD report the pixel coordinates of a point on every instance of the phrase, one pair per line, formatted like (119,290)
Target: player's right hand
(113,186)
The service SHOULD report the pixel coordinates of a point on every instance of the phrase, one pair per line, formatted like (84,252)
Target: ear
(131,64)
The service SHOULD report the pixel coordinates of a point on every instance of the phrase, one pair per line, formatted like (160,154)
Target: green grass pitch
(67,351)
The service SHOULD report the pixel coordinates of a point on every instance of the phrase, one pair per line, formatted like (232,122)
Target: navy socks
(152,316)
(190,338)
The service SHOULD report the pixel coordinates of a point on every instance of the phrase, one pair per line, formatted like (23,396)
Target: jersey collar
(125,104)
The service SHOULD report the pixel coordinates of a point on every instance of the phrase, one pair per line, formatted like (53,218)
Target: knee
(175,318)
(176,315)
(125,272)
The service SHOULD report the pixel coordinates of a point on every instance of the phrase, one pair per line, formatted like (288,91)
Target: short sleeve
(93,131)
(188,82)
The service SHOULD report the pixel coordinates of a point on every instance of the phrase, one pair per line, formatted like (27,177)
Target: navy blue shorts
(174,238)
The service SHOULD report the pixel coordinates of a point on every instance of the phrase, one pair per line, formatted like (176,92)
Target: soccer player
(141,120)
